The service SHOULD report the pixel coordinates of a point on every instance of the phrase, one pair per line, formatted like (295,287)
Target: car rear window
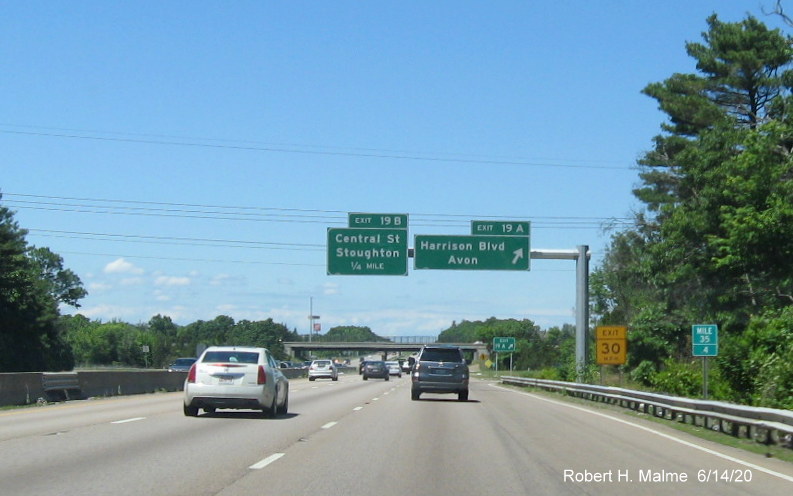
(441,355)
(231,357)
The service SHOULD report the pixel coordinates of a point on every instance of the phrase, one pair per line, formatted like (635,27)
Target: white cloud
(172,281)
(132,281)
(161,296)
(121,266)
(99,286)
(226,279)
(108,312)
(330,288)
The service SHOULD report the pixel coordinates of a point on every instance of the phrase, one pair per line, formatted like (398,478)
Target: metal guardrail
(764,425)
(61,385)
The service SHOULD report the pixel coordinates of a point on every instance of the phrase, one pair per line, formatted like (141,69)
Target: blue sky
(187,158)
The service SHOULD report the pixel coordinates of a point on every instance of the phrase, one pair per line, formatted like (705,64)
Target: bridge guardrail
(763,425)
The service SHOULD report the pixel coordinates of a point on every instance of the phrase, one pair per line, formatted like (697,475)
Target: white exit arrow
(518,255)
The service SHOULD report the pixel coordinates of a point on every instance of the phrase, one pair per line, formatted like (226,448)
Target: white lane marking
(270,459)
(658,433)
(357,408)
(375,399)
(329,425)
(128,420)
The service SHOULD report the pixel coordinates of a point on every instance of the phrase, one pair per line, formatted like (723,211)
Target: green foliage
(644,373)
(351,334)
(756,364)
(715,241)
(118,343)
(32,284)
(678,378)
(535,350)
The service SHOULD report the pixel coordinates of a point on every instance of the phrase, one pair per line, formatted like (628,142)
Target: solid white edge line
(135,419)
(658,433)
(270,459)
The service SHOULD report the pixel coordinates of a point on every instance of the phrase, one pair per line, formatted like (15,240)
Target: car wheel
(311,378)
(190,411)
(335,378)
(272,410)
(365,378)
(462,395)
(388,377)
(285,407)
(414,395)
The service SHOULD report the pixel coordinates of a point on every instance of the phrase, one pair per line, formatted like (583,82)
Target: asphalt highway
(355,437)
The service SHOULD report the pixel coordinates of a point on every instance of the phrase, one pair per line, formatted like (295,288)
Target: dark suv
(440,369)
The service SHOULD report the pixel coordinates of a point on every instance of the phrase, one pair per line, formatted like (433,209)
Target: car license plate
(441,371)
(225,379)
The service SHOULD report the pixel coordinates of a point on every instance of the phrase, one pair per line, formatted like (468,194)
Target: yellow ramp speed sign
(612,344)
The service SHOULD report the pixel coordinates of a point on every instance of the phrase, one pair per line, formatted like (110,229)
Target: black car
(181,364)
(440,369)
(376,369)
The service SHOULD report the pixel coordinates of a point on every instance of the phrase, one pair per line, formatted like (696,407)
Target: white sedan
(236,377)
(394,368)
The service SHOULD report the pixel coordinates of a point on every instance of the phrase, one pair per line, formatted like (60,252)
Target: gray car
(323,369)
(440,369)
(375,369)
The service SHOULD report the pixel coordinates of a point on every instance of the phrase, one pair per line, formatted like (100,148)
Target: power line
(152,139)
(270,214)
(224,243)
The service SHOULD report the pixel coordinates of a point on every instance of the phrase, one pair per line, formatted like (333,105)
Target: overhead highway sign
(471,252)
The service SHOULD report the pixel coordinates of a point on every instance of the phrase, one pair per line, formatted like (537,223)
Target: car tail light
(191,374)
(262,379)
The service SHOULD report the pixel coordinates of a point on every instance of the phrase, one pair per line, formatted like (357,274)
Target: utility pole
(311,318)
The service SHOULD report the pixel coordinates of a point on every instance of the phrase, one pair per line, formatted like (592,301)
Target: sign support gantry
(581,255)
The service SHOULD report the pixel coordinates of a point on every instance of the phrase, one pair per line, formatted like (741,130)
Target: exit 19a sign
(504,345)
(500,228)
(705,340)
(471,252)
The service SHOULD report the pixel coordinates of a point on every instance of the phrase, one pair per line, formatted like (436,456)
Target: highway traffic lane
(62,417)
(508,442)
(168,453)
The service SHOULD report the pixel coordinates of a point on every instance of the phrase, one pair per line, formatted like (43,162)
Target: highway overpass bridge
(382,347)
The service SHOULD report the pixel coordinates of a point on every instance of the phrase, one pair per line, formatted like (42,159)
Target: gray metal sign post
(581,256)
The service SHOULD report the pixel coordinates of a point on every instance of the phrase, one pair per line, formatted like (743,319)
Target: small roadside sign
(705,340)
(504,345)
(612,345)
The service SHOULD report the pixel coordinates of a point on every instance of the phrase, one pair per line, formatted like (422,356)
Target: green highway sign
(705,340)
(504,345)
(471,252)
(377,221)
(354,251)
(500,228)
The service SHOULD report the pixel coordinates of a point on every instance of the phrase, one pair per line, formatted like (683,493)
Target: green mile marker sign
(705,340)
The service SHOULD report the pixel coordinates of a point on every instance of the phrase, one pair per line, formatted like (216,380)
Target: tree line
(547,353)
(713,241)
